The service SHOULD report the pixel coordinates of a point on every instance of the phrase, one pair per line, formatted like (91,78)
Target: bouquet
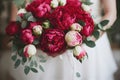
(52,26)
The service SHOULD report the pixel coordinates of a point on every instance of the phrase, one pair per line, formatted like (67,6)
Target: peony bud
(86,8)
(62,2)
(79,53)
(76,27)
(21,11)
(46,24)
(29,50)
(54,3)
(37,30)
(73,38)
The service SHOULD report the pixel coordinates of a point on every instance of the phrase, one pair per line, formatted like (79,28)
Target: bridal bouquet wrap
(52,26)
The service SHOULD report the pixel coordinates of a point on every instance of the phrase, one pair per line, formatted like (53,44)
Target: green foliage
(17,63)
(96,34)
(87,2)
(27,70)
(90,43)
(34,70)
(41,68)
(19,3)
(82,23)
(14,57)
(102,24)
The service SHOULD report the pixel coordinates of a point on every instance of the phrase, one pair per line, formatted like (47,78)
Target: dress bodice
(96,9)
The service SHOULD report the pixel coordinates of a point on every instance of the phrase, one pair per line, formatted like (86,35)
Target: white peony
(21,11)
(62,2)
(29,50)
(54,3)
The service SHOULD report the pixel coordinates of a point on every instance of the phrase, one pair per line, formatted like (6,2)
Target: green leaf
(27,15)
(18,18)
(82,23)
(20,52)
(24,59)
(14,57)
(41,56)
(104,23)
(31,18)
(78,74)
(41,68)
(96,34)
(43,61)
(14,48)
(90,43)
(36,41)
(17,63)
(34,70)
(31,63)
(19,3)
(86,2)
(24,24)
(27,70)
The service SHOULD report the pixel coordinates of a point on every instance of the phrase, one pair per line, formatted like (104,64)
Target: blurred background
(5,8)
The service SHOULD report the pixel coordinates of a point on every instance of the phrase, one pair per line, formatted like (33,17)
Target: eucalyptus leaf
(31,18)
(27,15)
(31,63)
(41,56)
(24,60)
(96,34)
(36,41)
(27,70)
(24,24)
(88,3)
(14,57)
(104,22)
(20,52)
(19,3)
(43,61)
(34,70)
(18,18)
(90,43)
(14,47)
(17,63)
(41,68)
(82,23)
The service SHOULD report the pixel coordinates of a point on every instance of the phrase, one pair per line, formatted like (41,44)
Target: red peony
(62,18)
(53,41)
(39,8)
(88,28)
(74,3)
(26,36)
(12,28)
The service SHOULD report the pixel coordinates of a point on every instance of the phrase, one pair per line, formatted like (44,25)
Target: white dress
(99,66)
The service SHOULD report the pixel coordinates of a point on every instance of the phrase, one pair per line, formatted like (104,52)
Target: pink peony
(12,28)
(53,41)
(26,36)
(73,38)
